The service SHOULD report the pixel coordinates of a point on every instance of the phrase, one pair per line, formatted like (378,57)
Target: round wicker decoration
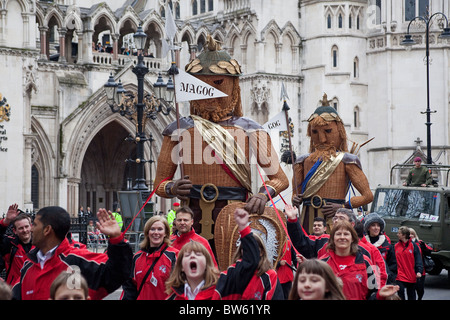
(267,226)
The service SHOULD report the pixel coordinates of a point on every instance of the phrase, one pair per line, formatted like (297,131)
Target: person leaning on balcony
(419,176)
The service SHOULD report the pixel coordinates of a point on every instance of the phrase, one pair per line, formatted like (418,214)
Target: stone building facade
(62,144)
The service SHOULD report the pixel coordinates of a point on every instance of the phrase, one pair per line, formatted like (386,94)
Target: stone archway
(104,170)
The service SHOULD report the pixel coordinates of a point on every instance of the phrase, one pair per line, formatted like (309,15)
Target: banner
(276,123)
(188,88)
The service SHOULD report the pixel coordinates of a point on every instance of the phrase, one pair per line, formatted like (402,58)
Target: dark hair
(405,231)
(359,228)
(321,220)
(185,209)
(58,218)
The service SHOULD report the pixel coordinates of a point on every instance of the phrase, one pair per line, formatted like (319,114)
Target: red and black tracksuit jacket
(359,279)
(308,245)
(155,285)
(409,261)
(14,253)
(104,272)
(241,282)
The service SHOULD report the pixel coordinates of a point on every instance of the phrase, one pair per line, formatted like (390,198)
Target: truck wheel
(437,268)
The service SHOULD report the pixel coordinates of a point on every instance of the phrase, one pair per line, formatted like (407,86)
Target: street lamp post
(140,70)
(141,107)
(409,41)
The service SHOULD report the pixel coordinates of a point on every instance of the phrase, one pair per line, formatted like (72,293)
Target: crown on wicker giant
(325,111)
(213,61)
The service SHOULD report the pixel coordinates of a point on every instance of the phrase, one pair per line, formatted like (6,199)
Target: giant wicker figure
(217,145)
(323,176)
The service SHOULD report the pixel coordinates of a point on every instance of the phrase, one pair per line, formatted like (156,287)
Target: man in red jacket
(185,232)
(53,254)
(14,248)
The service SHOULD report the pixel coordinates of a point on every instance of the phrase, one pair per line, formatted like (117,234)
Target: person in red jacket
(311,247)
(409,264)
(184,221)
(152,264)
(53,254)
(285,268)
(354,268)
(196,278)
(374,228)
(380,267)
(425,251)
(14,248)
(261,284)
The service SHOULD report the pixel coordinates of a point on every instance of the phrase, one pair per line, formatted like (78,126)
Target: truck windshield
(412,204)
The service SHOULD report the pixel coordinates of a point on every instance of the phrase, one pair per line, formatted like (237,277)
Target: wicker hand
(330,209)
(181,188)
(297,200)
(256,204)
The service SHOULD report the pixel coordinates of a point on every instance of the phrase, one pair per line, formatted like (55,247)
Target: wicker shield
(267,226)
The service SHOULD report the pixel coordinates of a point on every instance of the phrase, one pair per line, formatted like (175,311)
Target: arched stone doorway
(104,170)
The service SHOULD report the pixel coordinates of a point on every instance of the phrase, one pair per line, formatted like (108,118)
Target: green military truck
(425,209)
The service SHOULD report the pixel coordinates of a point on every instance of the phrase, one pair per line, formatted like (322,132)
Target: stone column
(115,39)
(3,13)
(62,45)
(28,141)
(193,50)
(88,56)
(43,39)
(81,46)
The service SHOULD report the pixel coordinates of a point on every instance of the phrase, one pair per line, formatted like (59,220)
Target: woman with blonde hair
(152,264)
(315,280)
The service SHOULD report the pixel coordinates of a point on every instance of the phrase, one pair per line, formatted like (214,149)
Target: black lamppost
(409,41)
(139,108)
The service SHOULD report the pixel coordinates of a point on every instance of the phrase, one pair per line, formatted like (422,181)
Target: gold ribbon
(322,174)
(221,141)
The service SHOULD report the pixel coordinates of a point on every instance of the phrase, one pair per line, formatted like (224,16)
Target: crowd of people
(99,47)
(354,261)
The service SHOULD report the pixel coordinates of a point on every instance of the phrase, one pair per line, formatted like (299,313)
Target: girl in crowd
(242,281)
(354,268)
(315,280)
(152,264)
(374,228)
(69,286)
(425,252)
(195,274)
(409,264)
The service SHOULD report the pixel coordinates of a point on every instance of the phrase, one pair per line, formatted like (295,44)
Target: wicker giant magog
(215,145)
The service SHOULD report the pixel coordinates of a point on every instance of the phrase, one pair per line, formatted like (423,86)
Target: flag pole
(170,29)
(173,71)
(286,113)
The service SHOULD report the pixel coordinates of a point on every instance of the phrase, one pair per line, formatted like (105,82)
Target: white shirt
(192,294)
(42,258)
